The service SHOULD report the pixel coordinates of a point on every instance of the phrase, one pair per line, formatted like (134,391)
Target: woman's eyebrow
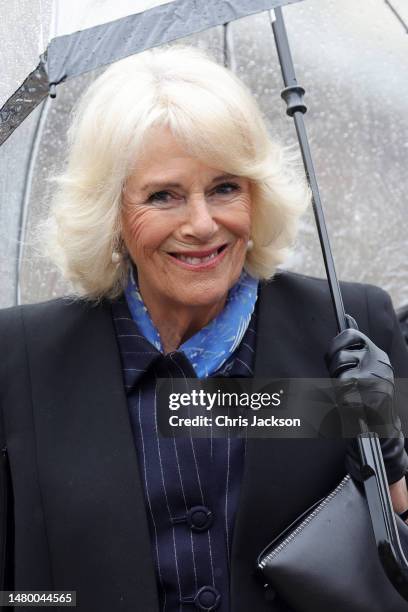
(159,185)
(224,177)
(165,184)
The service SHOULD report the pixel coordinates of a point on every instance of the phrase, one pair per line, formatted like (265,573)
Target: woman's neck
(177,323)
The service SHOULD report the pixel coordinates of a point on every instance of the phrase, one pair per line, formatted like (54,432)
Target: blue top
(210,347)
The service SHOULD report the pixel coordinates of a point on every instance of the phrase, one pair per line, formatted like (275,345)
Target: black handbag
(327,560)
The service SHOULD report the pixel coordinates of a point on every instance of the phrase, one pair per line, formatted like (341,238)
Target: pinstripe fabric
(182,473)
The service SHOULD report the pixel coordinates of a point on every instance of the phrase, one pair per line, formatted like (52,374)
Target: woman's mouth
(200,259)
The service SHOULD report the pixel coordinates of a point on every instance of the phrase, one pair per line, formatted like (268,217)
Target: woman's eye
(160,197)
(226,188)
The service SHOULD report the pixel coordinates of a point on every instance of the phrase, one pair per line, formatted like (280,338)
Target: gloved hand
(367,389)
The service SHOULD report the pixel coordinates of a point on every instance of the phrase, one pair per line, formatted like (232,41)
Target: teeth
(197,260)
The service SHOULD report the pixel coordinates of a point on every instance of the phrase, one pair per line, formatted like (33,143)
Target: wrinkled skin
(175,203)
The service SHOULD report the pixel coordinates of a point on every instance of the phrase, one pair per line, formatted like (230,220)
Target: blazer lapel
(92,492)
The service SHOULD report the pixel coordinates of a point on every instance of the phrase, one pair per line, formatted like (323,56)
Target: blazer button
(207,598)
(199,518)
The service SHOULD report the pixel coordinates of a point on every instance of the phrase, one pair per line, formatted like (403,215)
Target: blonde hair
(215,117)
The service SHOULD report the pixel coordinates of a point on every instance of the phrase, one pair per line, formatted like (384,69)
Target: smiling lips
(199,260)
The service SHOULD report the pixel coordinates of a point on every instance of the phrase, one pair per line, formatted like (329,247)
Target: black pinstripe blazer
(77,508)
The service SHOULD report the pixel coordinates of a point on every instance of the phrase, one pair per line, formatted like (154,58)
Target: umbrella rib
(397,15)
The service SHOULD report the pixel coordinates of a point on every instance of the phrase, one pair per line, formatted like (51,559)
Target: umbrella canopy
(352,61)
(74,54)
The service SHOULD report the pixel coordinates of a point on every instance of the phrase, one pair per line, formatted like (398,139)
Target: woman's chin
(202,292)
(202,297)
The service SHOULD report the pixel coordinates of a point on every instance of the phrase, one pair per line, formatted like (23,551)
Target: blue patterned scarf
(210,347)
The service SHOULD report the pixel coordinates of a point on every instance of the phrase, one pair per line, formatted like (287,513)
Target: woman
(174,209)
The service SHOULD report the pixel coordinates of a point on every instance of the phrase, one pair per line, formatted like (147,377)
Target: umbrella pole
(293,96)
(375,481)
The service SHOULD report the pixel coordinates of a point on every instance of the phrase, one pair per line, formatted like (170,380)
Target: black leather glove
(367,389)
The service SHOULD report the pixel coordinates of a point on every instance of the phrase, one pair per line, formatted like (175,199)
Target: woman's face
(185,225)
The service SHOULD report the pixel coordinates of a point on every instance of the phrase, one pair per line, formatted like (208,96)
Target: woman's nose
(199,222)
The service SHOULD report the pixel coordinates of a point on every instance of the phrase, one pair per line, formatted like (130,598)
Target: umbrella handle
(376,488)
(382,515)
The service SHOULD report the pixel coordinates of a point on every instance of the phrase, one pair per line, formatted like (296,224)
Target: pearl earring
(250,245)
(116,257)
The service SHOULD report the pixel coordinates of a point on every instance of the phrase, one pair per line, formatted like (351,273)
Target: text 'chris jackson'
(226,421)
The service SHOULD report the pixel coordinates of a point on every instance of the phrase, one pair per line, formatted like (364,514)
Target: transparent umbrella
(358,121)
(351,57)
(74,54)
